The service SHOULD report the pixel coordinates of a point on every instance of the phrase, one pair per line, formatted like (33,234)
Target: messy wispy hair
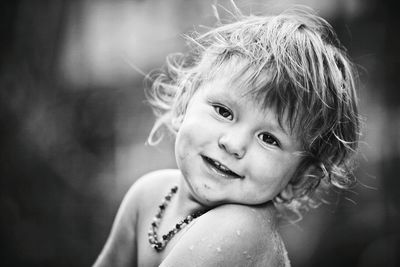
(297,66)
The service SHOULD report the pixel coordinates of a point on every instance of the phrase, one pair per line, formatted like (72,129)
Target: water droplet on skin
(191,247)
(219,249)
(245,252)
(238,232)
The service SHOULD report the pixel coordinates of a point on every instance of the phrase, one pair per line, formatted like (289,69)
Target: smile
(219,168)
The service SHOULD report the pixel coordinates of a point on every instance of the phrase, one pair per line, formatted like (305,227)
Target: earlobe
(287,192)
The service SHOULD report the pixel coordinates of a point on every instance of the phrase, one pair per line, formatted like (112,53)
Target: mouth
(220,169)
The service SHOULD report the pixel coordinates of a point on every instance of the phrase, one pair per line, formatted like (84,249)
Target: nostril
(222,146)
(222,143)
(232,147)
(239,154)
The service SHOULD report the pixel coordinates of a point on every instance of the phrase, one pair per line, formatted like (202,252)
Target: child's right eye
(223,111)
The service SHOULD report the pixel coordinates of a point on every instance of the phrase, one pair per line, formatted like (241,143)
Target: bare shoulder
(231,235)
(120,248)
(146,186)
(151,184)
(155,179)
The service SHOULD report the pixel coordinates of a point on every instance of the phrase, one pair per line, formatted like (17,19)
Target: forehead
(237,76)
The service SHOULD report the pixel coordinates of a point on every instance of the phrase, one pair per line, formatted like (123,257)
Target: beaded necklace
(159,243)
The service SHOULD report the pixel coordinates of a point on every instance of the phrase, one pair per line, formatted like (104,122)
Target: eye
(269,139)
(223,112)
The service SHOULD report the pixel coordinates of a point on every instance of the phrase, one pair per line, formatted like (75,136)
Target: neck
(185,202)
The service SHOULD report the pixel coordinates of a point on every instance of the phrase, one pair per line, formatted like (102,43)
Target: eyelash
(222,111)
(226,113)
(272,140)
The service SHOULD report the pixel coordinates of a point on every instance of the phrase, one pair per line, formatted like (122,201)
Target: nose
(234,144)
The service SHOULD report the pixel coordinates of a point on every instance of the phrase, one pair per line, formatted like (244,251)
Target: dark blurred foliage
(64,144)
(53,140)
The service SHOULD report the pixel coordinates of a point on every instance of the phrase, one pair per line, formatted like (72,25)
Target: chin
(203,195)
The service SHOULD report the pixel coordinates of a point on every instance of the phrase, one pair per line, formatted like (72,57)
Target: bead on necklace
(159,243)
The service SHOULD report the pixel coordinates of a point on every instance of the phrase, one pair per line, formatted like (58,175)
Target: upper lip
(223,167)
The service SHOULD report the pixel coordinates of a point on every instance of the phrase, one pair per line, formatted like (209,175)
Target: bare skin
(228,235)
(233,157)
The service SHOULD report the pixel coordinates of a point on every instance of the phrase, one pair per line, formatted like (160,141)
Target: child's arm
(230,235)
(120,248)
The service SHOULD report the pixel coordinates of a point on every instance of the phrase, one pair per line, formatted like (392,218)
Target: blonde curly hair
(300,69)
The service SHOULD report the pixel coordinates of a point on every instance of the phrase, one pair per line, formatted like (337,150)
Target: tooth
(220,166)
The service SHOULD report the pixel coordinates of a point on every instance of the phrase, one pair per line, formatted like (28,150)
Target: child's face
(231,150)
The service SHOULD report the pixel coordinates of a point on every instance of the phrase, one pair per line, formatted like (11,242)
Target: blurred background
(74,125)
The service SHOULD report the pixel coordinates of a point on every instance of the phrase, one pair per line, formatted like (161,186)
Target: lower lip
(216,171)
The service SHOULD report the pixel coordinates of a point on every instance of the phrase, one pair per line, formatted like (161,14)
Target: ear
(287,192)
(177,122)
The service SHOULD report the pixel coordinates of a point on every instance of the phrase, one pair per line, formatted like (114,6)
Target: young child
(264,113)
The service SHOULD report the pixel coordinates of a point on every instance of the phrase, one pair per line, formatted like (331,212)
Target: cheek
(181,144)
(274,170)
(188,140)
(195,129)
